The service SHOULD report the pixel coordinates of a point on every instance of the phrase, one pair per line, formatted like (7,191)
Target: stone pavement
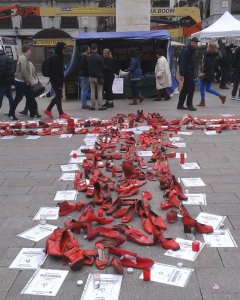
(29,175)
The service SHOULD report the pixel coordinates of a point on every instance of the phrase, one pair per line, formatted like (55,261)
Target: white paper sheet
(117,86)
(8,137)
(37,232)
(195,199)
(145,153)
(77,160)
(178,155)
(143,128)
(84,147)
(78,152)
(67,177)
(45,282)
(69,167)
(33,137)
(190,166)
(220,238)
(209,219)
(185,132)
(109,287)
(171,275)
(185,251)
(65,135)
(192,182)
(29,258)
(69,195)
(175,139)
(210,132)
(50,213)
(180,145)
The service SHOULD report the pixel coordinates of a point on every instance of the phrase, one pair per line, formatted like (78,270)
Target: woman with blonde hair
(108,72)
(207,75)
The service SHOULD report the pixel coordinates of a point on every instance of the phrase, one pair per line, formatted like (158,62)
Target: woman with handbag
(207,75)
(33,82)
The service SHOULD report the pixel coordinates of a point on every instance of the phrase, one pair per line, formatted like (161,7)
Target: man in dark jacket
(57,79)
(7,69)
(83,75)
(236,65)
(96,78)
(186,71)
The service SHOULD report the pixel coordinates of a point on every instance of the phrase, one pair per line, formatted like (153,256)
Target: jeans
(22,89)
(187,91)
(84,85)
(94,86)
(207,86)
(6,90)
(134,88)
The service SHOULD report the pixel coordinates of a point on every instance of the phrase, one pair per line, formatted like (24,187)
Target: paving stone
(14,190)
(7,277)
(7,174)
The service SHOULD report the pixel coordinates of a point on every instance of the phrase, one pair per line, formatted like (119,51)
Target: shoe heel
(187,229)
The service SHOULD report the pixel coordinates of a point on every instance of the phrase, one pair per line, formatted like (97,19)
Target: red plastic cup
(100,213)
(74,155)
(146,274)
(195,246)
(182,158)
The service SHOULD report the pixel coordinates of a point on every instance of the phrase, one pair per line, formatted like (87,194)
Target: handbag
(37,89)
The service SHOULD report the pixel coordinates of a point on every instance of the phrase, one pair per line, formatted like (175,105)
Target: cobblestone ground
(29,175)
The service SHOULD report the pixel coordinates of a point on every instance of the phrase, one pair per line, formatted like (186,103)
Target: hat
(195,39)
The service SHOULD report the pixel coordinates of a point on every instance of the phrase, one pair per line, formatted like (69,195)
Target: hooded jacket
(57,66)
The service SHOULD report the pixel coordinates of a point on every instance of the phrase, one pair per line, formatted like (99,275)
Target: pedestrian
(108,77)
(135,74)
(186,64)
(163,76)
(224,64)
(96,78)
(56,68)
(7,69)
(84,76)
(22,83)
(207,75)
(33,80)
(236,65)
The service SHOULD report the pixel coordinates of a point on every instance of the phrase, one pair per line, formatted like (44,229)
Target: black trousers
(107,89)
(57,100)
(224,73)
(22,89)
(236,85)
(187,91)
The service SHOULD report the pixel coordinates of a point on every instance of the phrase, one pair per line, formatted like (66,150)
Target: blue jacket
(186,61)
(135,69)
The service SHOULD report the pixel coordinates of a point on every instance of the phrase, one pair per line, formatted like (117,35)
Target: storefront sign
(51,42)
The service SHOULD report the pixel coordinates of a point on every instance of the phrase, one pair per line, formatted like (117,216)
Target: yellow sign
(77,11)
(51,42)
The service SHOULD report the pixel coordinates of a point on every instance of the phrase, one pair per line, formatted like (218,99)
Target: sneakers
(233,98)
(48,113)
(238,98)
(13,117)
(64,116)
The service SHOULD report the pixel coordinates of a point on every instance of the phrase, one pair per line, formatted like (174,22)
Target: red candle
(74,155)
(195,246)
(181,158)
(100,213)
(170,135)
(146,274)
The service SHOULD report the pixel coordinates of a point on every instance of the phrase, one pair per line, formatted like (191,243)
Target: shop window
(235,7)
(69,22)
(5,23)
(31,22)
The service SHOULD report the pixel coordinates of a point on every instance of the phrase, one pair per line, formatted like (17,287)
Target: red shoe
(66,208)
(101,261)
(129,191)
(129,213)
(167,243)
(75,257)
(116,264)
(156,220)
(53,243)
(171,202)
(48,113)
(64,116)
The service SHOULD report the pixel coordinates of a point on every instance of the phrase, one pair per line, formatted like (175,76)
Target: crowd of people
(95,73)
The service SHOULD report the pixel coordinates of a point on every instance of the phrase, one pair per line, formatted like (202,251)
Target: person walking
(56,68)
(224,63)
(96,78)
(84,76)
(22,83)
(163,76)
(186,70)
(135,74)
(108,77)
(236,65)
(7,69)
(207,75)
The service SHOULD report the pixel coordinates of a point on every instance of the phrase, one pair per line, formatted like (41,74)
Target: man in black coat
(236,65)
(57,80)
(7,69)
(186,71)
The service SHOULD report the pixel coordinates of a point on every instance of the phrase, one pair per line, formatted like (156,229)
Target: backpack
(46,67)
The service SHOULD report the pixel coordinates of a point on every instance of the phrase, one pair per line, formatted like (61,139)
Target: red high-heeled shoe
(156,220)
(128,191)
(66,208)
(190,223)
(101,260)
(129,213)
(177,187)
(167,243)
(116,264)
(172,201)
(98,198)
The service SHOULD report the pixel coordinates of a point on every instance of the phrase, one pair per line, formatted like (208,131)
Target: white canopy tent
(226,27)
